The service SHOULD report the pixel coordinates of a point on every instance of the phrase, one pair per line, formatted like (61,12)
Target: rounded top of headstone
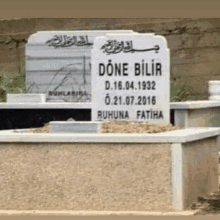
(162,39)
(130,43)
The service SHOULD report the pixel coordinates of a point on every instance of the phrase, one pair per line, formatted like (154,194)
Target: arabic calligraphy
(114,47)
(68,41)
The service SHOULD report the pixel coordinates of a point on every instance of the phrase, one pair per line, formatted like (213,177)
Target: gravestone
(58,64)
(131,78)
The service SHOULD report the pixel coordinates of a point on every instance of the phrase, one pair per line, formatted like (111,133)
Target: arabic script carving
(114,47)
(68,41)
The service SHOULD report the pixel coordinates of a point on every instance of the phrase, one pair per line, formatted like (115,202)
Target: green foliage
(11,83)
(180,92)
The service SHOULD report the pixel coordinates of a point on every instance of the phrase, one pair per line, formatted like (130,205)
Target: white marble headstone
(58,64)
(131,78)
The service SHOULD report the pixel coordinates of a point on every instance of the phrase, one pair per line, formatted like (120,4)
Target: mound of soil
(44,129)
(120,127)
(138,127)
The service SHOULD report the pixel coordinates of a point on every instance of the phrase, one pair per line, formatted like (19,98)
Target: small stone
(70,119)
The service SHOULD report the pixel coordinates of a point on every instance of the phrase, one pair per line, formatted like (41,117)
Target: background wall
(194,44)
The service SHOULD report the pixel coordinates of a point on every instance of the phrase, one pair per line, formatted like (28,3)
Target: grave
(202,113)
(58,64)
(111,171)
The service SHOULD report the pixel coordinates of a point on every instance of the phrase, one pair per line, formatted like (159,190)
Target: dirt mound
(44,129)
(138,127)
(122,127)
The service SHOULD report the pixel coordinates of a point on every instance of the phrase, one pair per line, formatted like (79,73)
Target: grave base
(104,172)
